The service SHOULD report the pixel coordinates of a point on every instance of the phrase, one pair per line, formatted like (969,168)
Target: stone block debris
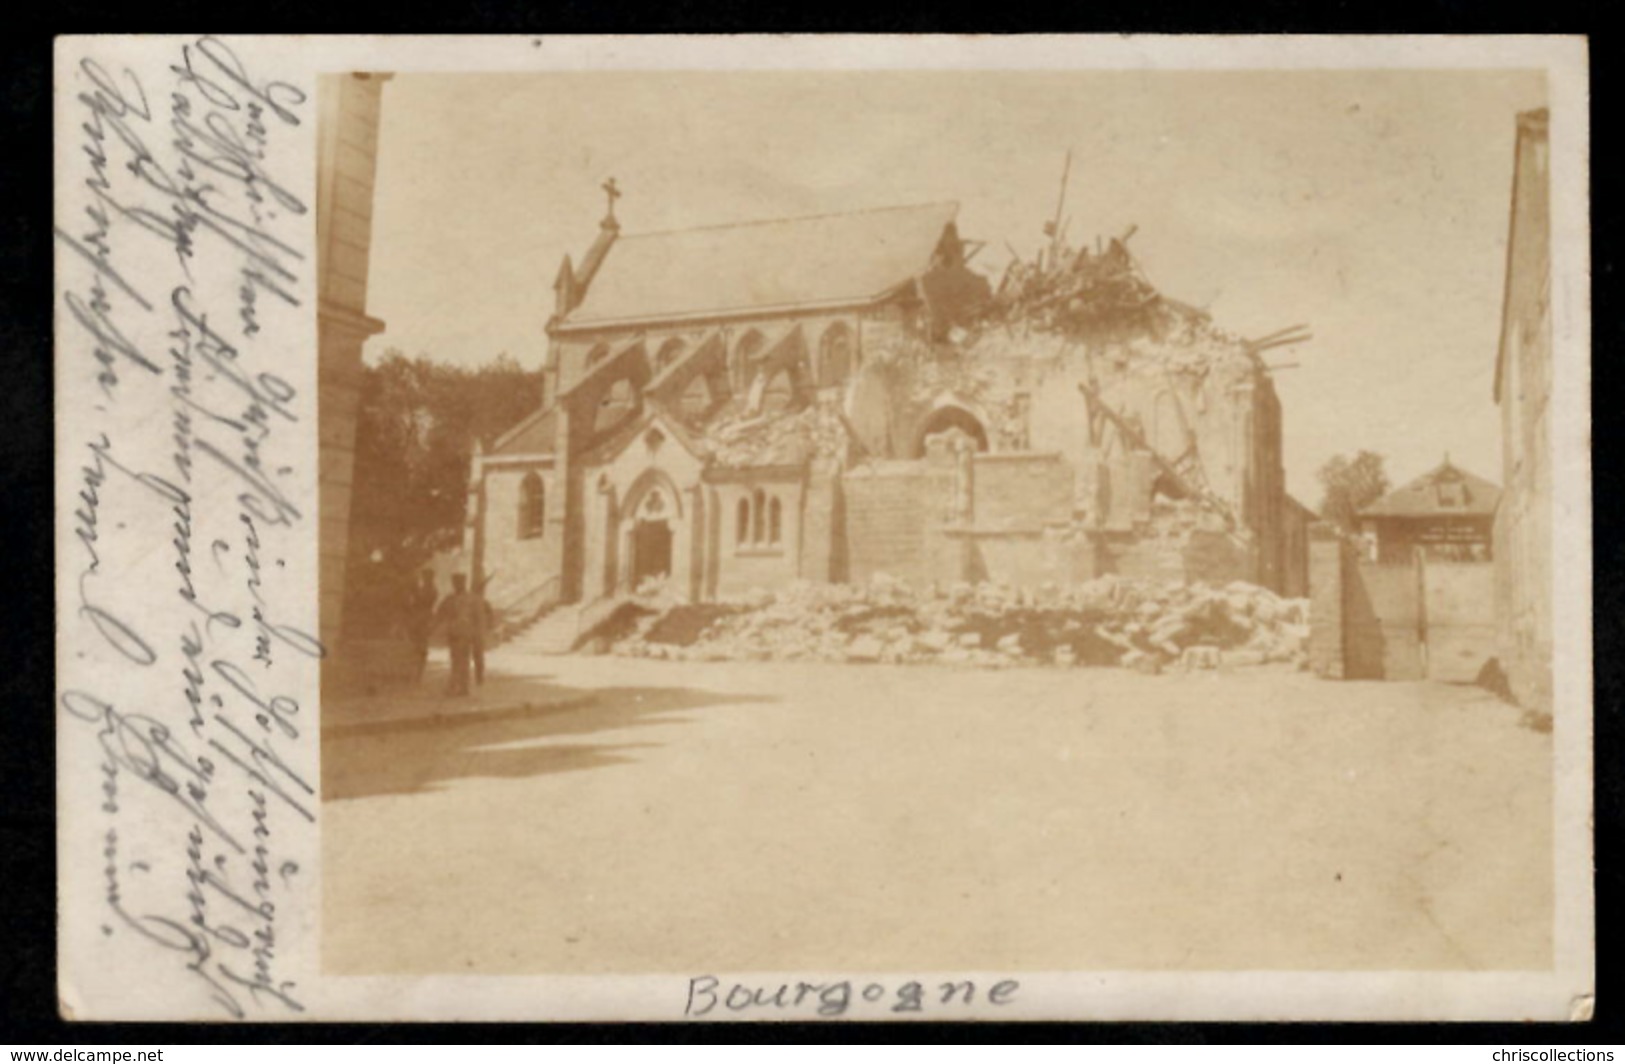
(1108,621)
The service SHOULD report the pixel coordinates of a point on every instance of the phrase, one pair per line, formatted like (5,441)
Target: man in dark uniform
(482,630)
(420,621)
(460,614)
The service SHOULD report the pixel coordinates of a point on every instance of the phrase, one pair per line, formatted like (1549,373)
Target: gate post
(1326,606)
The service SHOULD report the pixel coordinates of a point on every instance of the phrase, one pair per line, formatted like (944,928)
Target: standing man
(420,621)
(486,622)
(460,614)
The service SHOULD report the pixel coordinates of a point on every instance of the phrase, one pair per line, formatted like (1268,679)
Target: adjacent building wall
(346,156)
(1297,521)
(1523,522)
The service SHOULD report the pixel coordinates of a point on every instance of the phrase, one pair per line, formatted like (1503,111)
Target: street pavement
(596,815)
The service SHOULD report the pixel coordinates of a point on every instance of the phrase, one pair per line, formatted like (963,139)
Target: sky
(1370,206)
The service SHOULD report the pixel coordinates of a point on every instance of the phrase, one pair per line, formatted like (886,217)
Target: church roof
(830,259)
(533,435)
(1442,492)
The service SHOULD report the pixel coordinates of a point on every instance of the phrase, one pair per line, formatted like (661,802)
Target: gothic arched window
(532,507)
(758,515)
(775,520)
(746,354)
(779,395)
(834,355)
(742,528)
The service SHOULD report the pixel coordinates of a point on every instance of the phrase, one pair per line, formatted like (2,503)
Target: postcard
(823,528)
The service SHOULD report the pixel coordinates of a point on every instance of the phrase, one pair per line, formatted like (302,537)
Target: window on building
(696,399)
(834,355)
(532,507)
(759,521)
(746,354)
(779,396)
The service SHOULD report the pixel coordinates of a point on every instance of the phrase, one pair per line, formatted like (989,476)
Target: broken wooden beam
(1275,338)
(1168,469)
(1283,342)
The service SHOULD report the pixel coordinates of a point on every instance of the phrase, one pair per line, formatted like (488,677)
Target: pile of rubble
(1079,292)
(1107,621)
(1100,299)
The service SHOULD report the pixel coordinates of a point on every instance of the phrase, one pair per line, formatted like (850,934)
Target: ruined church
(829,398)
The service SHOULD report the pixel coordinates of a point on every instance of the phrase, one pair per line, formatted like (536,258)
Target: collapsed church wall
(1153,452)
(1011,518)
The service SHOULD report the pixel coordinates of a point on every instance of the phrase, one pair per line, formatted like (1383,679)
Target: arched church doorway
(651,536)
(651,551)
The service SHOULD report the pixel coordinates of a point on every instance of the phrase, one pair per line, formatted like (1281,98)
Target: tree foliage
(415,432)
(1348,485)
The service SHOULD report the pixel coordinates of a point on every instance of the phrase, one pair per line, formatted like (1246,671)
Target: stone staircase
(560,628)
(554,631)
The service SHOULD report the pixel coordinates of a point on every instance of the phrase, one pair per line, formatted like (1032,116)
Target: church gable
(609,396)
(781,381)
(693,384)
(649,435)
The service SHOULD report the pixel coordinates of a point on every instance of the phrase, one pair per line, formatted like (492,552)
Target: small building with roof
(1446,514)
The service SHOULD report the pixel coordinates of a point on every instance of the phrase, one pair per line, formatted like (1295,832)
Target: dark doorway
(950,417)
(651,551)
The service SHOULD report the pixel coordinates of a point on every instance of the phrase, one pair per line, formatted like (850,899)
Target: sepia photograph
(695,529)
(990,521)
